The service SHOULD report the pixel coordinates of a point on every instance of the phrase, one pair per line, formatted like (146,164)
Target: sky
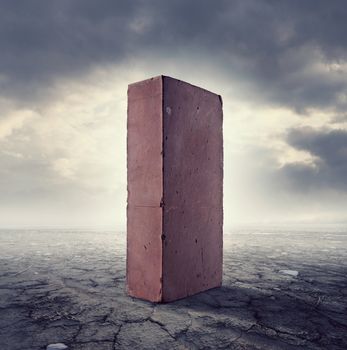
(280,66)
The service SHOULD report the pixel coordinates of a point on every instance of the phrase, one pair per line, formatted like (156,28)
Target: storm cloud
(288,52)
(329,168)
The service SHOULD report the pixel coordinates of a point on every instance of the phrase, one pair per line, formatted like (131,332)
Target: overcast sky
(280,67)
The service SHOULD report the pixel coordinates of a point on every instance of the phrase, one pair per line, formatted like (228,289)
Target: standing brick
(175,190)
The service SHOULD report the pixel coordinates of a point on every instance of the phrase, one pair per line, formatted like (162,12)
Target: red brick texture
(175,190)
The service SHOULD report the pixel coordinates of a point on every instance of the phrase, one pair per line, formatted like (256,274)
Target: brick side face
(193,189)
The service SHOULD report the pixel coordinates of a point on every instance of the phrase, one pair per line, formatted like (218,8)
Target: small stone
(57,346)
(289,272)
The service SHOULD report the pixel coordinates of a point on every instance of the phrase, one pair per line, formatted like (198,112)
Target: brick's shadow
(266,312)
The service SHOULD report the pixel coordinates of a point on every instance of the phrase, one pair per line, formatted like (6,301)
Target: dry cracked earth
(68,287)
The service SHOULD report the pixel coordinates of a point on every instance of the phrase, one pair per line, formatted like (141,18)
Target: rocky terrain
(281,290)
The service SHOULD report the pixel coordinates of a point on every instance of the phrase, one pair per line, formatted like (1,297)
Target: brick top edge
(179,80)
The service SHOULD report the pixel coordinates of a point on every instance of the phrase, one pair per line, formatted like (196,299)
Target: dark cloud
(329,171)
(40,40)
(270,44)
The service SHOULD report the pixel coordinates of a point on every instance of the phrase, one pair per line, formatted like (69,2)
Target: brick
(175,190)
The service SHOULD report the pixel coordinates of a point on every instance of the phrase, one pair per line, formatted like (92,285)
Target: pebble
(57,346)
(290,272)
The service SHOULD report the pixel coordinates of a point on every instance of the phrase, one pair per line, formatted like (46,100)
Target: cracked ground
(69,287)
